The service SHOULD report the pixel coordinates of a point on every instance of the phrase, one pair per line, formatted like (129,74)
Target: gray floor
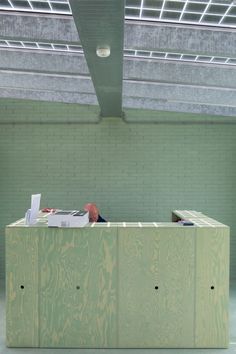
(232,347)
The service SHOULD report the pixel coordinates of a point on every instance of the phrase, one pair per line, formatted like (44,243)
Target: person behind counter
(94,215)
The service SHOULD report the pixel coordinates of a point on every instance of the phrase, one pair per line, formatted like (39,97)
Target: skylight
(41,46)
(143,54)
(201,12)
(51,6)
(220,13)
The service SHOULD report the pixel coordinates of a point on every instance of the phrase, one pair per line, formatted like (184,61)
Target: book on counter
(185,223)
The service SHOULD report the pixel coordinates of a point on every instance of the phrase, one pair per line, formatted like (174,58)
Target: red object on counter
(48,210)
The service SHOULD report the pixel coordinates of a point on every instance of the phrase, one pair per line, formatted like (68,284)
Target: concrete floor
(231,350)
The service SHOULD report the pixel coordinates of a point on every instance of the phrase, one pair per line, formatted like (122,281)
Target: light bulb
(103,52)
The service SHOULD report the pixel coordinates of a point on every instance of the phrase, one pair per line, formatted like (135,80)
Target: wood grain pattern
(84,317)
(150,317)
(95,287)
(22,303)
(212,269)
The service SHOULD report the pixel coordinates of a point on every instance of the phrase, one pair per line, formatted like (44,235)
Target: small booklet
(186,223)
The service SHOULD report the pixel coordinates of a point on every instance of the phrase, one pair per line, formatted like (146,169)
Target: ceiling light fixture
(103,52)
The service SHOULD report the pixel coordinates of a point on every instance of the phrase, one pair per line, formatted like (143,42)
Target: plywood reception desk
(118,285)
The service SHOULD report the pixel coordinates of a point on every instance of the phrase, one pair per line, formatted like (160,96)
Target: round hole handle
(156,287)
(22,287)
(212,287)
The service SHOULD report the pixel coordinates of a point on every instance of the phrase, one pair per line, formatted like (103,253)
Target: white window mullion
(205,11)
(226,13)
(183,10)
(162,8)
(141,9)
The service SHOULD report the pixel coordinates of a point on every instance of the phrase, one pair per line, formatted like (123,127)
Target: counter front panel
(118,285)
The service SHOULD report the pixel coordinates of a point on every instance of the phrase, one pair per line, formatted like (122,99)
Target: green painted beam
(100,24)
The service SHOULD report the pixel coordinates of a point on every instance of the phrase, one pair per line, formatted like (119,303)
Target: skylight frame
(31,3)
(165,12)
(128,53)
(30,45)
(161,10)
(169,56)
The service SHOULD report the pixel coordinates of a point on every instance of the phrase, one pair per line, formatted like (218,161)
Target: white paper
(34,210)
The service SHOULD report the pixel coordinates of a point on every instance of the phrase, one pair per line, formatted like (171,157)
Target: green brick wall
(133,172)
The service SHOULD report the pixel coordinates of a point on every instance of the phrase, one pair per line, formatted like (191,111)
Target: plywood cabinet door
(156,287)
(212,287)
(78,275)
(22,323)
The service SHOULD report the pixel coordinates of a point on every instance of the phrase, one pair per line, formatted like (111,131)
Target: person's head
(93,211)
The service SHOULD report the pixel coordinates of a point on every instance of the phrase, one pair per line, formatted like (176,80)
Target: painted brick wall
(133,172)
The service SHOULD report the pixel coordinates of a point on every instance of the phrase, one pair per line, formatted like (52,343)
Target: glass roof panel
(4,4)
(31,45)
(21,4)
(45,46)
(39,5)
(158,55)
(153,4)
(174,5)
(47,6)
(219,13)
(231,61)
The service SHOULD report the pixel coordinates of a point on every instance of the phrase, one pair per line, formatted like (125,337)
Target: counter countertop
(198,219)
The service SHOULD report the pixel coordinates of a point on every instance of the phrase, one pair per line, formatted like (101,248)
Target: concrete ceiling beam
(159,71)
(134,89)
(137,35)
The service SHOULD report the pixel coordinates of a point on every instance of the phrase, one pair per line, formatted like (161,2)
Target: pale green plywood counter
(118,285)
